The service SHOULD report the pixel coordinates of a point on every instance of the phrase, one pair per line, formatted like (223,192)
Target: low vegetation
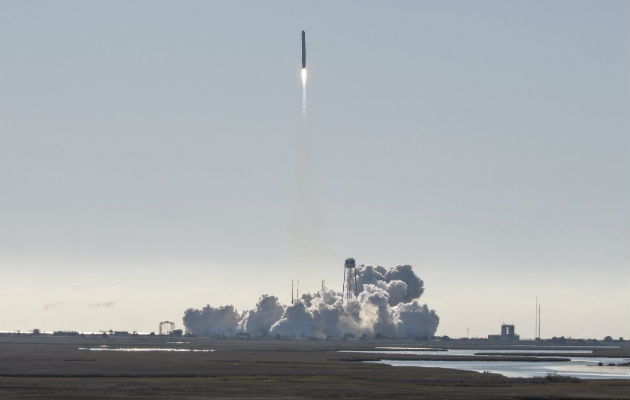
(53,367)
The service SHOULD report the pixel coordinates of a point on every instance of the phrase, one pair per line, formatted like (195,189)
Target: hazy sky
(152,154)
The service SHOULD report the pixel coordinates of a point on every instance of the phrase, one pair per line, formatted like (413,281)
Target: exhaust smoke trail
(308,216)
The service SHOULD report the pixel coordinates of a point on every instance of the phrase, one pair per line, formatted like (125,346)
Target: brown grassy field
(55,368)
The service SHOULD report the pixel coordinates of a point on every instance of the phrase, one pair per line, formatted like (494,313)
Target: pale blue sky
(152,154)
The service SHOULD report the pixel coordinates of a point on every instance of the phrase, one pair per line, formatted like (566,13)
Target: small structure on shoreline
(508,334)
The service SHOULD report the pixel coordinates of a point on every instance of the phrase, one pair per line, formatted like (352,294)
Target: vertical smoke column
(303,73)
(308,216)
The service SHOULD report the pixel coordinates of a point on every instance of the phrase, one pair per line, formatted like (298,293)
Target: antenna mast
(539,306)
(536,321)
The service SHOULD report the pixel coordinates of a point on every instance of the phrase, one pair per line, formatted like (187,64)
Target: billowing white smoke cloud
(402,273)
(415,319)
(298,321)
(258,321)
(211,321)
(386,306)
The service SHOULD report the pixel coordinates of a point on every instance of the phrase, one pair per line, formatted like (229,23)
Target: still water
(528,369)
(462,352)
(583,367)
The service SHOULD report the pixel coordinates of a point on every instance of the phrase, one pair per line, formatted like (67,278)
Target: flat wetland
(34,367)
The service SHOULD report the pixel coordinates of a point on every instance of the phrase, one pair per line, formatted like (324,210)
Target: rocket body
(303,49)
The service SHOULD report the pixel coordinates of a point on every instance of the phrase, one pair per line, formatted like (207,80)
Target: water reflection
(161,349)
(584,367)
(527,369)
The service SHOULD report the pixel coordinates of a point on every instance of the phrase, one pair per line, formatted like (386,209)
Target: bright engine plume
(304,75)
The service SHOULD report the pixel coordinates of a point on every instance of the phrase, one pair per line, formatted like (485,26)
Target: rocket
(303,49)
(303,74)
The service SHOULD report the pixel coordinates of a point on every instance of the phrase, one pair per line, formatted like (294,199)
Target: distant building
(66,333)
(508,334)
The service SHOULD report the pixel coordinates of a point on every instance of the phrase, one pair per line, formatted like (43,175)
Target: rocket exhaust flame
(304,74)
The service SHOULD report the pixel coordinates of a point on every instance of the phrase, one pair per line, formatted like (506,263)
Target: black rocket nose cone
(303,49)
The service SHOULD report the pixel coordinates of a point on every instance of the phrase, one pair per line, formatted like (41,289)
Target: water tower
(349,279)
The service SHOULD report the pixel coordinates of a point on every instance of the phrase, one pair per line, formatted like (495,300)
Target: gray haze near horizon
(153,158)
